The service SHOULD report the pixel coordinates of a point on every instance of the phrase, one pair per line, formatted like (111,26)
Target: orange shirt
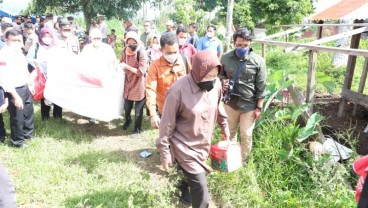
(161,75)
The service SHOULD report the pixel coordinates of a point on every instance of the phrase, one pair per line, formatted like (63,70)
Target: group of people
(179,77)
(184,89)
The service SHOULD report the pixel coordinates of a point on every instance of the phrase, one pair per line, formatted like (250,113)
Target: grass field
(72,163)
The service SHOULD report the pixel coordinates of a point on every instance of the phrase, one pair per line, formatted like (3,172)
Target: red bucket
(226,156)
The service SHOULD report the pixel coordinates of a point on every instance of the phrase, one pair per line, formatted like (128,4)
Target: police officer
(67,40)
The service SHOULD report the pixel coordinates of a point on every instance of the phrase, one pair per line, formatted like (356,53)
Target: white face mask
(182,41)
(66,34)
(171,58)
(47,41)
(16,46)
(210,34)
(155,46)
(96,43)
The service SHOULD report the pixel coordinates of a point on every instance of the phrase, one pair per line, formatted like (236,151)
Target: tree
(229,24)
(90,8)
(186,11)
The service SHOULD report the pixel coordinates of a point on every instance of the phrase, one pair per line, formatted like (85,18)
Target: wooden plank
(330,38)
(298,99)
(311,83)
(320,30)
(350,68)
(323,100)
(279,34)
(264,46)
(355,97)
(363,79)
(349,51)
(318,25)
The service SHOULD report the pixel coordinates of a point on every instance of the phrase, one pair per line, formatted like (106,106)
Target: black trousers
(138,105)
(21,120)
(198,189)
(45,111)
(2,127)
(7,190)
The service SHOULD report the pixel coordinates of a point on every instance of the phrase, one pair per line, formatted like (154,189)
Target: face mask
(171,58)
(66,34)
(96,43)
(182,41)
(156,46)
(47,41)
(210,34)
(133,47)
(208,85)
(18,23)
(241,52)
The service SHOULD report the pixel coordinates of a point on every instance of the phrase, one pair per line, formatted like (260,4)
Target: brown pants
(246,121)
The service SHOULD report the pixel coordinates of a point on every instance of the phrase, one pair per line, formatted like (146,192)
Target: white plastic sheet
(100,97)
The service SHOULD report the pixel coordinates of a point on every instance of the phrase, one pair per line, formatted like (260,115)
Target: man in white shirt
(14,77)
(103,27)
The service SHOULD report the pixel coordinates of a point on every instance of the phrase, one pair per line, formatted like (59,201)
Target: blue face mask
(241,52)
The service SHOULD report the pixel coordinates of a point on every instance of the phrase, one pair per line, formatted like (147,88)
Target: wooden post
(264,46)
(311,85)
(320,30)
(363,79)
(350,68)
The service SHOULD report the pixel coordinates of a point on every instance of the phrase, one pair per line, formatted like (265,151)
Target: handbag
(39,85)
(360,167)
(225,156)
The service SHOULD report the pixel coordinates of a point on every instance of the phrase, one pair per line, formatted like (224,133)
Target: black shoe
(20,145)
(136,133)
(2,139)
(126,124)
(185,197)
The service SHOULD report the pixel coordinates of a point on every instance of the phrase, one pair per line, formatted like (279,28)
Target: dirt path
(110,137)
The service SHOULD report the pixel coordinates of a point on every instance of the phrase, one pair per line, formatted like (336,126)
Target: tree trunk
(87,18)
(229,24)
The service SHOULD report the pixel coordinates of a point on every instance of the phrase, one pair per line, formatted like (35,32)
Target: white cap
(170,23)
(6,20)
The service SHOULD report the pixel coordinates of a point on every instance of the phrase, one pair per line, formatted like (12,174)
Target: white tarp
(74,84)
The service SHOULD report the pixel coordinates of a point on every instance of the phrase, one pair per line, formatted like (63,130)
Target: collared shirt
(251,83)
(193,39)
(13,69)
(103,28)
(31,40)
(145,37)
(213,44)
(161,76)
(134,85)
(188,50)
(187,123)
(70,45)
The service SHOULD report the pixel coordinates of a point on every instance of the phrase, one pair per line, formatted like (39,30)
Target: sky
(14,6)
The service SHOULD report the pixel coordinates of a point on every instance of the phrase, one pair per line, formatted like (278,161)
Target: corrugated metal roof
(344,10)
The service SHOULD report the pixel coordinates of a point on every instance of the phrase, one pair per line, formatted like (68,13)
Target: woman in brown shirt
(134,62)
(191,109)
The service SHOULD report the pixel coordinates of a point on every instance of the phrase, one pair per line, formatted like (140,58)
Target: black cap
(70,18)
(49,16)
(64,24)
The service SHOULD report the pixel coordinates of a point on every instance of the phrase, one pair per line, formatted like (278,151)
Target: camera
(229,92)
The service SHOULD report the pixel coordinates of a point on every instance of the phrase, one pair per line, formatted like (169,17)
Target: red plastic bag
(360,166)
(39,85)
(226,156)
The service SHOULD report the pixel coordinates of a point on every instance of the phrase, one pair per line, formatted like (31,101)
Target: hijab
(43,32)
(202,63)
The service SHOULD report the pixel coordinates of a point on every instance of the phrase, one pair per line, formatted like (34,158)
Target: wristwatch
(259,108)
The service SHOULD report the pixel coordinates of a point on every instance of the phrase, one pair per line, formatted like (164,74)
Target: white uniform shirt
(13,69)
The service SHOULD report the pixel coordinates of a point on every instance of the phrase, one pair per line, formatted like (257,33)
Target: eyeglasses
(16,40)
(145,25)
(96,38)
